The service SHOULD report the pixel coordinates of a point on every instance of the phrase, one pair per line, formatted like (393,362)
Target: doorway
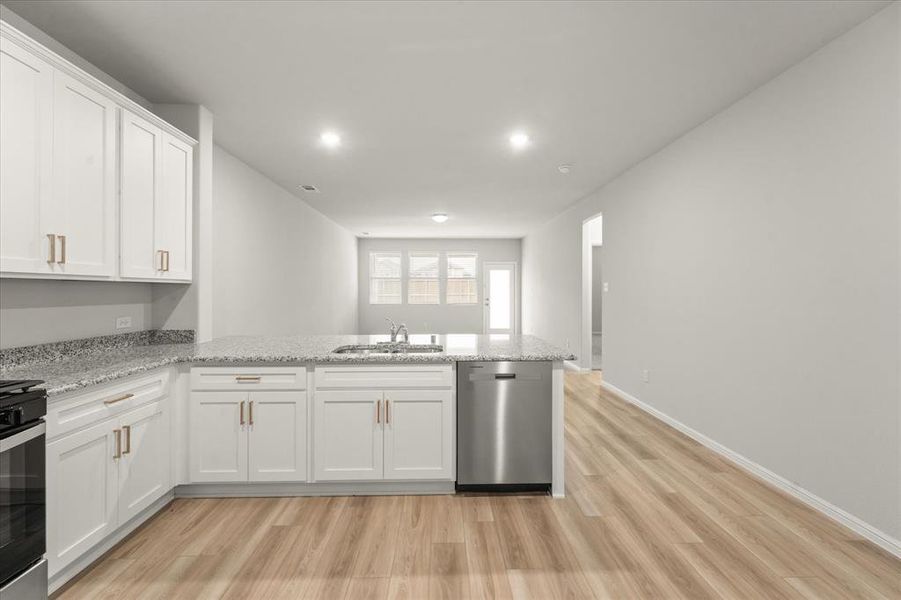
(593,288)
(500,297)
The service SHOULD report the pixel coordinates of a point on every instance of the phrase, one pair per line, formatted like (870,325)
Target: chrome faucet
(397,329)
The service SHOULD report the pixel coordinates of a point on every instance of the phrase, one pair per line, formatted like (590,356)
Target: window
(461,278)
(384,278)
(422,286)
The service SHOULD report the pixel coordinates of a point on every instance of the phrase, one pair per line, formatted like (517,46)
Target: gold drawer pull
(118,434)
(62,249)
(127,430)
(247,378)
(52,238)
(119,399)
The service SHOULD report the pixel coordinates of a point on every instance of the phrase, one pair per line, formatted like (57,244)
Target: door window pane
(499,293)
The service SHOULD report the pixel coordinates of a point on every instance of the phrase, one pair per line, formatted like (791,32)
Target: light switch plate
(123,322)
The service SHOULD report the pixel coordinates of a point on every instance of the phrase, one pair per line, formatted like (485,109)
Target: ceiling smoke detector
(310,188)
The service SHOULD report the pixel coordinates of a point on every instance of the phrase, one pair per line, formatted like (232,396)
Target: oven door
(22,499)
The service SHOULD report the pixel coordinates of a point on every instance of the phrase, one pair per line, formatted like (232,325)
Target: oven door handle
(22,437)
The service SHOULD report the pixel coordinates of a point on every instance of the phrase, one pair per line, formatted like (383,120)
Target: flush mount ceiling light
(310,188)
(564,168)
(439,217)
(519,140)
(330,139)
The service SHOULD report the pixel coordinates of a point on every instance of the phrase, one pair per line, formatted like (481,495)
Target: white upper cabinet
(156,202)
(25,142)
(175,207)
(139,180)
(63,161)
(82,209)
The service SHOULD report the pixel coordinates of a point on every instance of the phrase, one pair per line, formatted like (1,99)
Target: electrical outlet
(123,322)
(645,375)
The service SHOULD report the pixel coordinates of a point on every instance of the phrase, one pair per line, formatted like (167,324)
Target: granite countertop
(75,371)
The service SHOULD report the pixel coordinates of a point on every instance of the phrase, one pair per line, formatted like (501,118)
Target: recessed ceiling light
(519,140)
(439,217)
(330,139)
(564,168)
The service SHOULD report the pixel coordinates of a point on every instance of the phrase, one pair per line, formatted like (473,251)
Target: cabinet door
(145,467)
(218,436)
(174,208)
(140,175)
(83,205)
(419,434)
(25,152)
(347,435)
(82,486)
(278,436)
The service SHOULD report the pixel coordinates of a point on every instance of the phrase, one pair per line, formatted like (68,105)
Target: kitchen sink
(389,348)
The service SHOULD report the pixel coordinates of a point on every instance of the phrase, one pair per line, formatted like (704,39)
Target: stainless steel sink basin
(389,348)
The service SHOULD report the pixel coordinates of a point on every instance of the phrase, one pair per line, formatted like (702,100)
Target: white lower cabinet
(240,436)
(383,434)
(100,477)
(348,435)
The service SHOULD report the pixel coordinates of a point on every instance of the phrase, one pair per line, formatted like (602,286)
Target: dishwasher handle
(505,375)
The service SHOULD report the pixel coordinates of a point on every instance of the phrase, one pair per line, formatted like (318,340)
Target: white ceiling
(426,94)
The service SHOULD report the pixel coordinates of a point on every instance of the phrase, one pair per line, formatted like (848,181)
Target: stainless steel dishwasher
(504,426)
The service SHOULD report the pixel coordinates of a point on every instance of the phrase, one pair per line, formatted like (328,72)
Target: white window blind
(384,278)
(461,278)
(423,284)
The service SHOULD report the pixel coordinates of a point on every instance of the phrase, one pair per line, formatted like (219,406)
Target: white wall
(279,266)
(439,318)
(754,270)
(35,312)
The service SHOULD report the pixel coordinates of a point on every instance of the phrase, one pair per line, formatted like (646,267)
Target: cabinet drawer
(86,408)
(385,376)
(249,378)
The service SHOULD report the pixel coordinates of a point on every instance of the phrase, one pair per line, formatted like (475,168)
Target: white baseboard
(569,365)
(338,488)
(858,526)
(85,560)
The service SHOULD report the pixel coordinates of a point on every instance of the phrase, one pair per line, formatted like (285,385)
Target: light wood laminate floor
(649,514)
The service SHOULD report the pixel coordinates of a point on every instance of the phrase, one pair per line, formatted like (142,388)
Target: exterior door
(218,436)
(419,434)
(26,96)
(500,297)
(348,435)
(83,202)
(144,471)
(277,440)
(82,487)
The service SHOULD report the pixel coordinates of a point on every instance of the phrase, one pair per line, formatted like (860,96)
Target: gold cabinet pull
(161,253)
(166,254)
(387,414)
(119,399)
(250,412)
(247,378)
(378,411)
(62,249)
(118,434)
(242,413)
(52,238)
(127,430)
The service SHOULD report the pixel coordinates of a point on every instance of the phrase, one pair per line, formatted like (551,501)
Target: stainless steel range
(23,568)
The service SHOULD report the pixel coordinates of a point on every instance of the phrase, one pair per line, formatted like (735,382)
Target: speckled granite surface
(81,370)
(94,346)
